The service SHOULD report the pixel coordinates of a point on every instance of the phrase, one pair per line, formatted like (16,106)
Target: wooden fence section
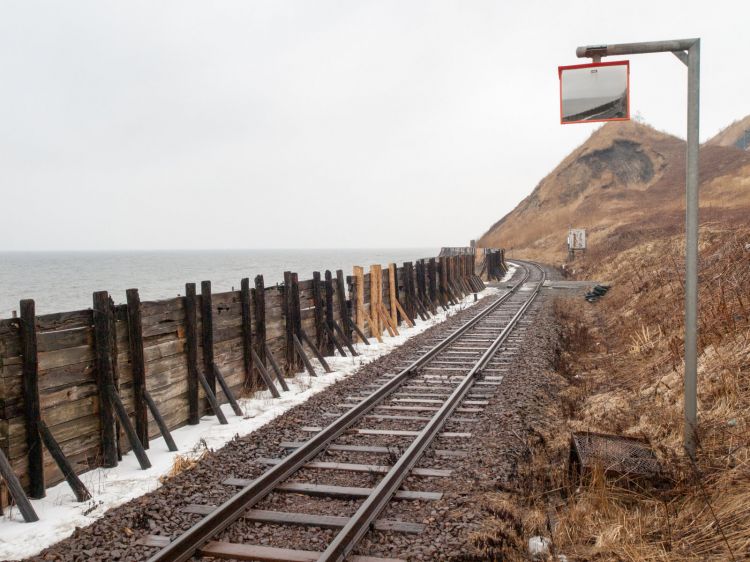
(414,290)
(108,379)
(493,265)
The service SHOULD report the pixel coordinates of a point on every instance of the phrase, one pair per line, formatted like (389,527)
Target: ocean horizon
(61,281)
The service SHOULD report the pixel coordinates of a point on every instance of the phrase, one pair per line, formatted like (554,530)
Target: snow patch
(60,514)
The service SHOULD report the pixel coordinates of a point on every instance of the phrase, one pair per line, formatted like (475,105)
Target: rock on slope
(626,179)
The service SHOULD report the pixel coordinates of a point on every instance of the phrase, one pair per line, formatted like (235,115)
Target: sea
(65,281)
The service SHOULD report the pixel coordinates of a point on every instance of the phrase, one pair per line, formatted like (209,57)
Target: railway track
(449,382)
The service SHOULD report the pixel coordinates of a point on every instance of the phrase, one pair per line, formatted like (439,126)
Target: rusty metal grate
(615,453)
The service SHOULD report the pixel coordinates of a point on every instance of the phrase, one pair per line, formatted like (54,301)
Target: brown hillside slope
(626,179)
(737,135)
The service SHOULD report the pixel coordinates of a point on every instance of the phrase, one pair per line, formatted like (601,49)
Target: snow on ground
(60,514)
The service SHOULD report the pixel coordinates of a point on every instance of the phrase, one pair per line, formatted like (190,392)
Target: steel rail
(360,523)
(186,545)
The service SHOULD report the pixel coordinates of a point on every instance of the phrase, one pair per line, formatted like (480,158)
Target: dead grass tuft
(187,461)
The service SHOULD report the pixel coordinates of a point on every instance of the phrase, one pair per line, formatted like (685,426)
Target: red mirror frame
(625,63)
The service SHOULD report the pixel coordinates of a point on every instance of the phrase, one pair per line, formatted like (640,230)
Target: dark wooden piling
(247,334)
(287,310)
(191,338)
(296,305)
(329,319)
(319,311)
(137,364)
(432,278)
(207,335)
(30,389)
(103,337)
(343,307)
(259,308)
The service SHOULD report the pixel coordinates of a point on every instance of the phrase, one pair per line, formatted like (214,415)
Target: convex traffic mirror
(595,92)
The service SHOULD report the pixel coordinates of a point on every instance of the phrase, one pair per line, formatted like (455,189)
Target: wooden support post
(386,321)
(137,364)
(212,399)
(393,293)
(289,354)
(301,352)
(103,338)
(81,492)
(247,334)
(366,316)
(389,322)
(360,333)
(227,391)
(276,369)
(163,427)
(259,310)
(416,306)
(30,389)
(296,311)
(16,490)
(343,307)
(315,351)
(207,335)
(407,300)
(122,414)
(404,315)
(330,340)
(191,338)
(345,339)
(432,277)
(375,295)
(359,298)
(319,310)
(265,376)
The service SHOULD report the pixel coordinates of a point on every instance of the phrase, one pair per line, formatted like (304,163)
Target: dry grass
(186,461)
(623,359)
(634,386)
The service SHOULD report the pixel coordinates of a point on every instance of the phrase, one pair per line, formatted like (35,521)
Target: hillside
(626,179)
(737,135)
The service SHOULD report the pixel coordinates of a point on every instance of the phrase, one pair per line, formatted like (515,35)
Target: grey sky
(314,123)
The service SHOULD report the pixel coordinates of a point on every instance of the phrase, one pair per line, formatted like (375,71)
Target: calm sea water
(62,281)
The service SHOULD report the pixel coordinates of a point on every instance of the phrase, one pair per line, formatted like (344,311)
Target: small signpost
(576,241)
(584,98)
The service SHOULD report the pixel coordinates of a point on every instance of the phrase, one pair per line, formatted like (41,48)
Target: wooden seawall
(67,371)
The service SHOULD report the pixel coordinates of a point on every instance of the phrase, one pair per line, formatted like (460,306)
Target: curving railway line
(449,382)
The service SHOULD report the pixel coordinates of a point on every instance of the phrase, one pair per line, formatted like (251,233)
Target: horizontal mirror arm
(591,51)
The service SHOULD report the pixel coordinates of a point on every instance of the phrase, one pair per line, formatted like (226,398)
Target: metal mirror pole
(688,51)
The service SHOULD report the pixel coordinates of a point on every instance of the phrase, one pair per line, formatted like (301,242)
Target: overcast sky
(221,124)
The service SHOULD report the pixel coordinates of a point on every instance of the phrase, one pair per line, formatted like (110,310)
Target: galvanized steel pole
(688,51)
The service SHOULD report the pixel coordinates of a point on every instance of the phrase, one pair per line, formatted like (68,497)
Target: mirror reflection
(594,92)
